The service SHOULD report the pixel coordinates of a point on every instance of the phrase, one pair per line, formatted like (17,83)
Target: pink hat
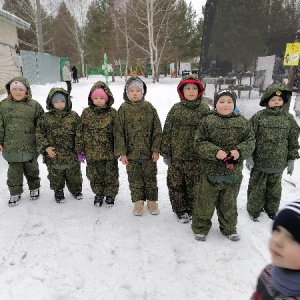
(17,85)
(99,93)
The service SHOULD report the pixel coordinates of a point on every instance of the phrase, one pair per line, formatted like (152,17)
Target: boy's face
(225,105)
(190,92)
(285,250)
(135,94)
(59,104)
(275,101)
(18,94)
(99,101)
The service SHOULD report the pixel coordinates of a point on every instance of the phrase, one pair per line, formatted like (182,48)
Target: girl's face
(99,101)
(135,94)
(18,94)
(225,105)
(190,92)
(275,101)
(285,250)
(59,104)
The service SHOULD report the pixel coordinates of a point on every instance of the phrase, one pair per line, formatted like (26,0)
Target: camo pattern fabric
(142,180)
(95,134)
(271,89)
(138,128)
(276,133)
(18,120)
(57,128)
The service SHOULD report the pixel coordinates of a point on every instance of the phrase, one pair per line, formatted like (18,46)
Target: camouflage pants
(71,177)
(264,192)
(223,197)
(181,181)
(103,176)
(142,180)
(15,173)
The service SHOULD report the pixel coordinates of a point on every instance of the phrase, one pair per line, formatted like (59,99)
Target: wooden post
(292,74)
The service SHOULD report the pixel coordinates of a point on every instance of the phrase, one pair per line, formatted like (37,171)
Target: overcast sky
(197,4)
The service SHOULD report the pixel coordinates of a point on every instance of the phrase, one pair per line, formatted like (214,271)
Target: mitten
(290,167)
(167,160)
(81,157)
(249,163)
(229,161)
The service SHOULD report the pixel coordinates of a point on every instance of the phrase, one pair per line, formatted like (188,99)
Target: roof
(12,19)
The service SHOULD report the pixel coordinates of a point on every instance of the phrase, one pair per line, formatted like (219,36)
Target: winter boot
(153,207)
(59,196)
(14,200)
(234,237)
(254,218)
(183,217)
(110,201)
(77,196)
(138,207)
(35,194)
(272,216)
(200,237)
(98,200)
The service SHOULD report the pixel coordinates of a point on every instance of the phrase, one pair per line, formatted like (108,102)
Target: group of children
(203,148)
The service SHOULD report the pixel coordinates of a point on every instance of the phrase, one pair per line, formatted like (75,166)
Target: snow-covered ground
(77,251)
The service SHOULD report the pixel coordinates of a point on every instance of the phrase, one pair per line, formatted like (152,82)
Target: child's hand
(124,160)
(50,151)
(235,154)
(155,156)
(221,154)
(1,148)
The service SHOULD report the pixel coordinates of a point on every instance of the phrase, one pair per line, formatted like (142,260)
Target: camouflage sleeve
(41,136)
(166,149)
(1,129)
(39,111)
(157,132)
(79,138)
(293,140)
(119,133)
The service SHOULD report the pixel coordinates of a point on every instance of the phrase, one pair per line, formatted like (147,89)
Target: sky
(71,251)
(197,4)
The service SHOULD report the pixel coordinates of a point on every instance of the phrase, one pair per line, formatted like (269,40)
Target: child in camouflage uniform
(178,146)
(95,142)
(137,142)
(276,133)
(18,118)
(55,135)
(281,279)
(224,139)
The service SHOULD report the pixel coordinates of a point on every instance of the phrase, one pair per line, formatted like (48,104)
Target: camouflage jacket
(226,133)
(138,128)
(18,120)
(57,128)
(95,134)
(180,127)
(276,133)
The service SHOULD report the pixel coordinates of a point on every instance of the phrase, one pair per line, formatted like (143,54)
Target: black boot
(59,196)
(110,201)
(98,201)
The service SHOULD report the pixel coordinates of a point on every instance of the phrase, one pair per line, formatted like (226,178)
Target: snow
(77,251)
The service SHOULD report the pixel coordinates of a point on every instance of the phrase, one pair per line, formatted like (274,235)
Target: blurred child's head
(58,100)
(135,90)
(275,95)
(225,102)
(18,90)
(284,243)
(99,97)
(190,88)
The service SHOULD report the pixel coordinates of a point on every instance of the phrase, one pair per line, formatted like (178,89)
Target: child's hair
(289,218)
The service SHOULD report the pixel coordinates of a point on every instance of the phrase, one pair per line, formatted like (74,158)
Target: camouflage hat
(225,92)
(272,90)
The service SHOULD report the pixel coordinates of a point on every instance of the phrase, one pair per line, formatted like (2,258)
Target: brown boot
(138,208)
(153,207)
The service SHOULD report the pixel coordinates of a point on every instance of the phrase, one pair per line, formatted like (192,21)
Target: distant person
(55,136)
(67,76)
(276,148)
(74,74)
(95,144)
(178,146)
(281,279)
(137,143)
(19,115)
(224,139)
